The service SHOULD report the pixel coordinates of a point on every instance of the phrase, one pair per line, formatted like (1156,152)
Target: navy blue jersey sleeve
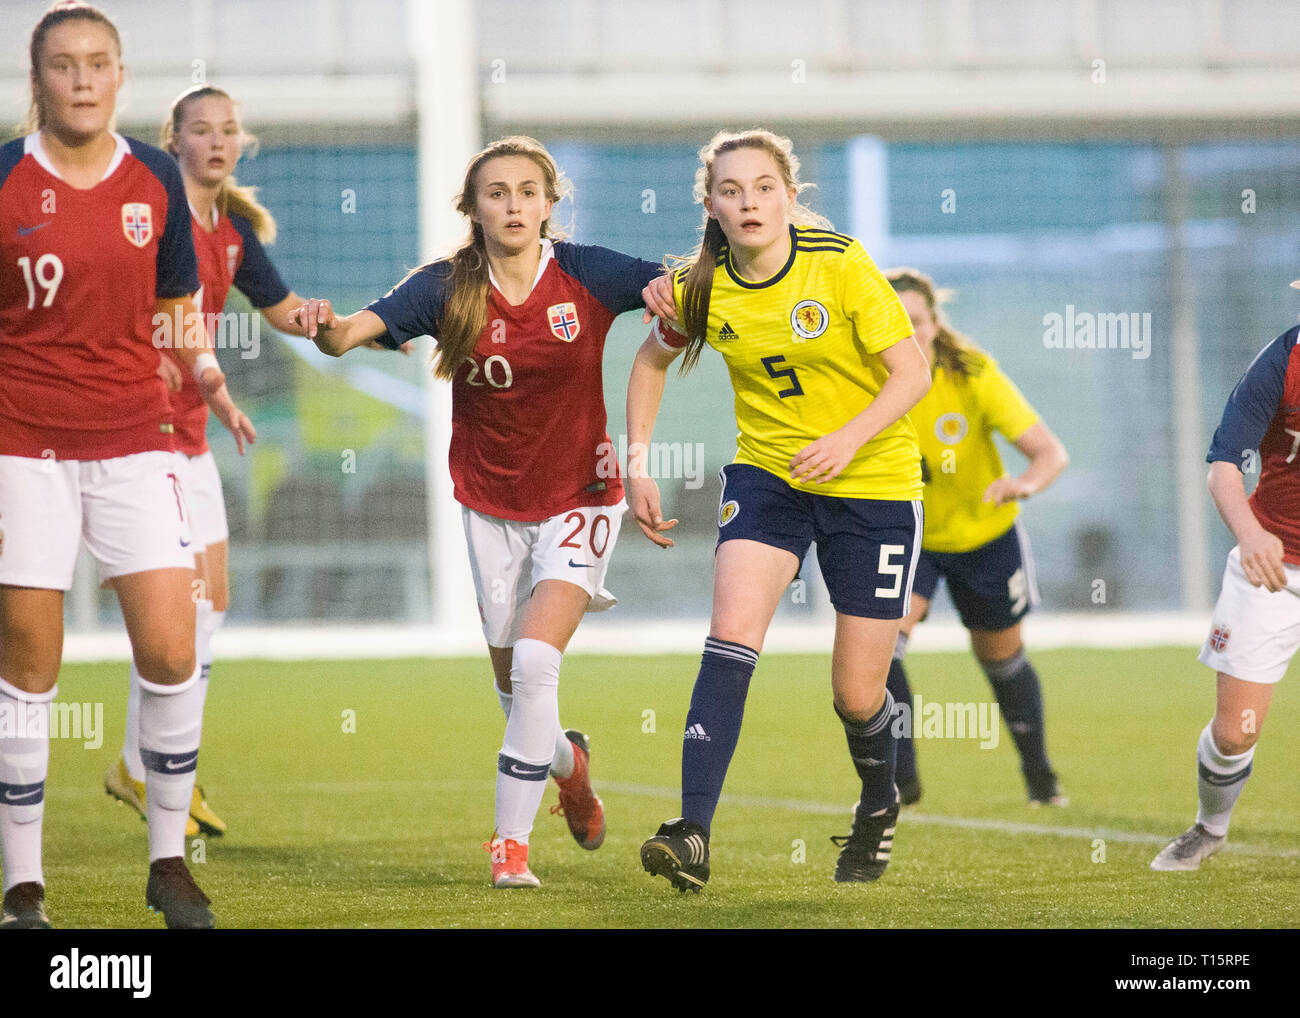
(1254,402)
(614,279)
(256,279)
(11,154)
(177,265)
(414,306)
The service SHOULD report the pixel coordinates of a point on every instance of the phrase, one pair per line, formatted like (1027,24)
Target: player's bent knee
(30,679)
(1230,740)
(859,706)
(166,666)
(536,665)
(30,665)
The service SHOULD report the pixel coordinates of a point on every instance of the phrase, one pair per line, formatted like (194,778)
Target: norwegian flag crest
(137,222)
(1219,637)
(563,319)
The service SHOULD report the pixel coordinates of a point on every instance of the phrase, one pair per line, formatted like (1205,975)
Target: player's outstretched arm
(1261,552)
(202,363)
(283,318)
(333,334)
(645,391)
(1047,458)
(908,381)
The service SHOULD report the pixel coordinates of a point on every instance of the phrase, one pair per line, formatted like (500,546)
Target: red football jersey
(80,271)
(229,254)
(528,436)
(1260,429)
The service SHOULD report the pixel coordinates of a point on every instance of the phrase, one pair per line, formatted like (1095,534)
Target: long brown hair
(233,198)
(952,351)
(465,315)
(699,265)
(66,10)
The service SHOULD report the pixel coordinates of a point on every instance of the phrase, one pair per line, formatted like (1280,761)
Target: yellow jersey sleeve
(1005,409)
(870,303)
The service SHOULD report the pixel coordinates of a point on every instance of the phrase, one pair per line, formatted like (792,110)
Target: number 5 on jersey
(795,388)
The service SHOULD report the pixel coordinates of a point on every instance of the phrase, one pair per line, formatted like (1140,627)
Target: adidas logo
(726,334)
(696,731)
(696,845)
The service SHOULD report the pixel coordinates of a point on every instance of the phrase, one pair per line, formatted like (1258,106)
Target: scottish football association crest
(563,319)
(137,222)
(809,319)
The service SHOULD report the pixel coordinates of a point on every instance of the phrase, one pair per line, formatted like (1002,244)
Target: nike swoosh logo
(23,231)
(184,543)
(171,765)
(10,797)
(867,761)
(516,770)
(579,565)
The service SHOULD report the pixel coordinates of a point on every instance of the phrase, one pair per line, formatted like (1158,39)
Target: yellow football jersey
(803,351)
(955,422)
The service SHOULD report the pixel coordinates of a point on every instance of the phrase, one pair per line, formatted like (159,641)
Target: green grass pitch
(382,826)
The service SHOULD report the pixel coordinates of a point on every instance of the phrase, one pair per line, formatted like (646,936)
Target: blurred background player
(100,241)
(973,538)
(521,318)
(824,369)
(204,133)
(1255,629)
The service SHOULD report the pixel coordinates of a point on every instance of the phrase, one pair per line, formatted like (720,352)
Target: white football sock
(529,747)
(24,766)
(562,762)
(1219,780)
(131,735)
(171,720)
(206,623)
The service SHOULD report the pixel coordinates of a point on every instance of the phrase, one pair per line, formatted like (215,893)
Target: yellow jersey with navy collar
(955,422)
(803,351)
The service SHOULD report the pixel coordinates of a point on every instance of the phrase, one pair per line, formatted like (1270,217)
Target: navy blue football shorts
(993,586)
(867,548)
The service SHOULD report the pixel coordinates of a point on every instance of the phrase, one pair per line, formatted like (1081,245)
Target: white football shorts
(508,559)
(130,510)
(203,495)
(1254,633)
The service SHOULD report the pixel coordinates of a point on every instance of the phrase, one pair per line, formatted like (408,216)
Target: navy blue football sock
(713,725)
(874,751)
(1020,699)
(898,688)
